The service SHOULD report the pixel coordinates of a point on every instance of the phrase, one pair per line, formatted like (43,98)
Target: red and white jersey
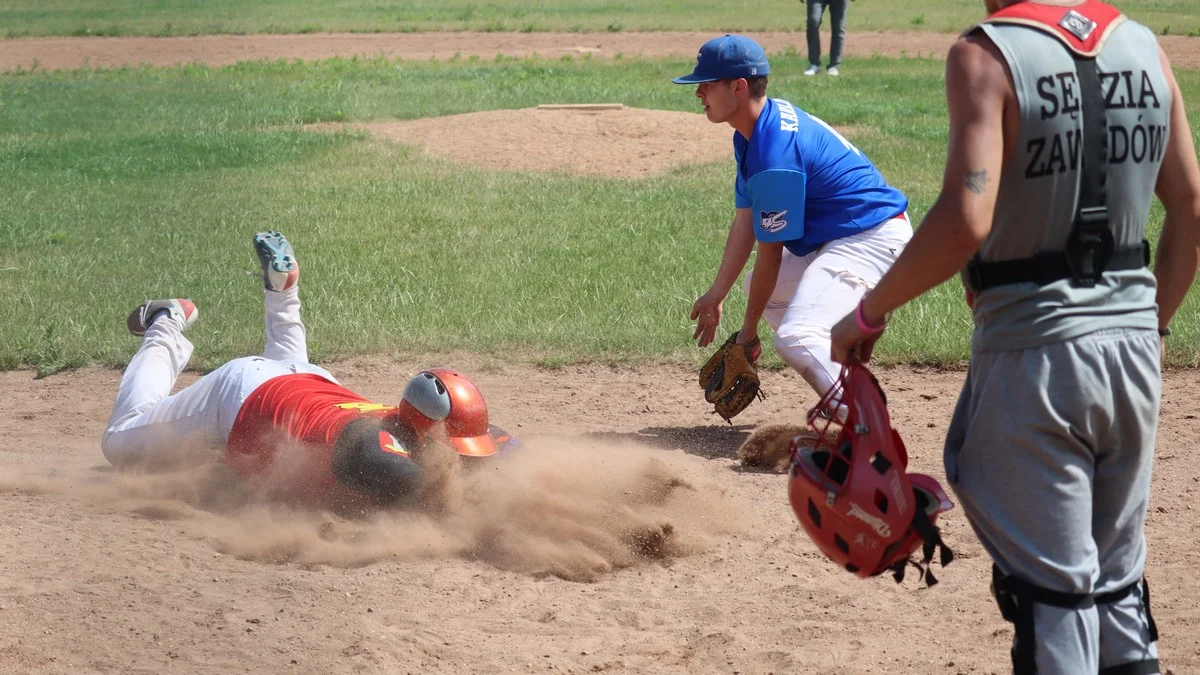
(285,431)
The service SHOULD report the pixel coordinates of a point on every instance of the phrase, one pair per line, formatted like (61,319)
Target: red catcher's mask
(850,490)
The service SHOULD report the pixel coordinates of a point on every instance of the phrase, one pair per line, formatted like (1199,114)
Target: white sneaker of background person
(832,71)
(812,70)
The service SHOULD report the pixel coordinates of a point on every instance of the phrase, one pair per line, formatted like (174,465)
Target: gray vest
(1040,186)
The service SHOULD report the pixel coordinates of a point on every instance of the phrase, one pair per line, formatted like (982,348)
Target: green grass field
(21,18)
(134,183)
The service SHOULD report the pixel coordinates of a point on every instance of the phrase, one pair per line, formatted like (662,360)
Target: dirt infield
(66,53)
(176,573)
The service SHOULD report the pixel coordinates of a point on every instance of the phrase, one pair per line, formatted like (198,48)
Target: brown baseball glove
(729,379)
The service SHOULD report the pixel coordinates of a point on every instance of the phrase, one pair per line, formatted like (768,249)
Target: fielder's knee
(808,354)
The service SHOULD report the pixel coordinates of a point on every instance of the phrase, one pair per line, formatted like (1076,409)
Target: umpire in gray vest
(1065,119)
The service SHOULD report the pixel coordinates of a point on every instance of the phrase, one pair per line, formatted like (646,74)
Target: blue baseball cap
(726,58)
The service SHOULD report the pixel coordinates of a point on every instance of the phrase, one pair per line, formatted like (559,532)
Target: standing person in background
(837,18)
(1051,445)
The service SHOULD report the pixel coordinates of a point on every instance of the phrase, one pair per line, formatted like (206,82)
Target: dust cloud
(571,508)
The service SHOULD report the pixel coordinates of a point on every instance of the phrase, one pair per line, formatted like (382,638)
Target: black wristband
(1164,332)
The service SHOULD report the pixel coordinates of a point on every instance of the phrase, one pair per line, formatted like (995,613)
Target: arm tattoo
(977,181)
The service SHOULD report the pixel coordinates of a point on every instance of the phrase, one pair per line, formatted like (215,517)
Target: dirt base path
(94,52)
(105,572)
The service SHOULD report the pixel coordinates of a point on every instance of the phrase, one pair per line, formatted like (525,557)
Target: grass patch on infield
(137,183)
(22,18)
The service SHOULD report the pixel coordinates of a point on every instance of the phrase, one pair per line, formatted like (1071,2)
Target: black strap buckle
(973,275)
(1093,216)
(1090,246)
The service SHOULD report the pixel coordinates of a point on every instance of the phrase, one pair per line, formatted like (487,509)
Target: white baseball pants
(148,426)
(815,291)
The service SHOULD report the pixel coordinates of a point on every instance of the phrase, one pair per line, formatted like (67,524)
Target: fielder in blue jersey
(826,223)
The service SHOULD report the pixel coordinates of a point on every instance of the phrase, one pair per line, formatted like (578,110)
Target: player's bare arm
(762,285)
(706,311)
(979,94)
(1178,188)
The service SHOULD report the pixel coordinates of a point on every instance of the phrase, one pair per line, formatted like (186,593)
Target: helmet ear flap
(445,397)
(425,402)
(428,395)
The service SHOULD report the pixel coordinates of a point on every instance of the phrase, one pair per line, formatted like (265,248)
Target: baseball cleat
(184,313)
(281,270)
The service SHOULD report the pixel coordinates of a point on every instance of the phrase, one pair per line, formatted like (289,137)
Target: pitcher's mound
(608,140)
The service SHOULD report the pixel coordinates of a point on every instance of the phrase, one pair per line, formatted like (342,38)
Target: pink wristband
(862,323)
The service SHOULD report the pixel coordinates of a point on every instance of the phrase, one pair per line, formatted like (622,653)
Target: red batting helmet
(441,395)
(850,491)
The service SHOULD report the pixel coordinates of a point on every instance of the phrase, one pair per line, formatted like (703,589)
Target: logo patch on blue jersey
(772,221)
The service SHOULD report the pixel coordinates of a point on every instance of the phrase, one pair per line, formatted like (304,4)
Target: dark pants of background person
(837,17)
